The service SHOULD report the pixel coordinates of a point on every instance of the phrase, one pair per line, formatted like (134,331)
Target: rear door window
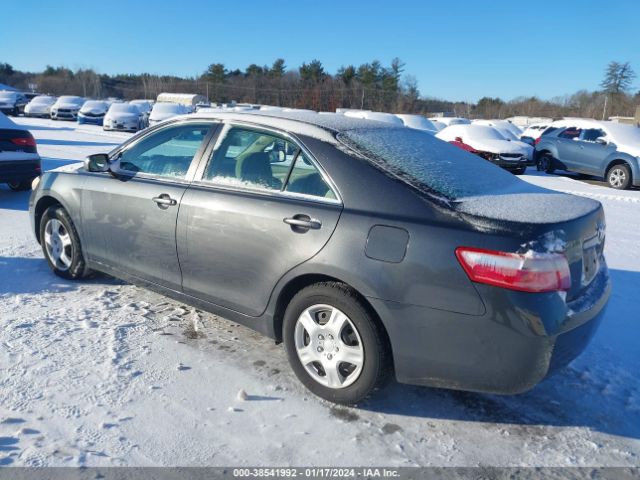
(570,133)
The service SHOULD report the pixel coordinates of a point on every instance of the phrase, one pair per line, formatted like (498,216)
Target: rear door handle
(301,223)
(165,201)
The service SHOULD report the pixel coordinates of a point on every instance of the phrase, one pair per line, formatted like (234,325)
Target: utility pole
(362,101)
(604,110)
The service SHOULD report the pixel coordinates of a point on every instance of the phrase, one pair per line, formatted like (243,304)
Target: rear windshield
(430,164)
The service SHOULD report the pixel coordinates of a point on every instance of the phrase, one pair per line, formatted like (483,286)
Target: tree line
(371,86)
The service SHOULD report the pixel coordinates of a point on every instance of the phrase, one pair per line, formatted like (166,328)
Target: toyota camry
(368,249)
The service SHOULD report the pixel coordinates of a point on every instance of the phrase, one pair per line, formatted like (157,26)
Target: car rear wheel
(546,163)
(619,177)
(334,346)
(20,186)
(61,244)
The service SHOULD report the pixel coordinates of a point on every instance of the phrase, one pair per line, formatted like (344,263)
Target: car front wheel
(334,346)
(619,177)
(61,244)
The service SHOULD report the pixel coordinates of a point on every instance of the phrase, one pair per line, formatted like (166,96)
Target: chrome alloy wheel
(617,177)
(58,244)
(329,346)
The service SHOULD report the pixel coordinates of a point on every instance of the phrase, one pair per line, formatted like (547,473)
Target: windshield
(67,99)
(94,104)
(43,99)
(8,95)
(430,164)
(166,108)
(123,108)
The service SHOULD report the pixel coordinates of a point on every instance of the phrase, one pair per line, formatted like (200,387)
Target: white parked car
(40,106)
(490,144)
(533,132)
(67,107)
(418,122)
(164,110)
(125,117)
(378,116)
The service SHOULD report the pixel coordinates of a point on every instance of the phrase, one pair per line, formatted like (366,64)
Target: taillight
(537,140)
(24,142)
(530,272)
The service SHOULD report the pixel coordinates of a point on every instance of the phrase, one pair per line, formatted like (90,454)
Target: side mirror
(98,162)
(602,141)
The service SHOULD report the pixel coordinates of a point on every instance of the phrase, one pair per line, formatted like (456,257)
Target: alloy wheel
(617,177)
(329,346)
(58,244)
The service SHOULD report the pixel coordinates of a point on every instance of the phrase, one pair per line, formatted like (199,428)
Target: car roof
(323,127)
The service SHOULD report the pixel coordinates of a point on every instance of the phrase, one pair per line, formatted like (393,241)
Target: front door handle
(165,201)
(302,223)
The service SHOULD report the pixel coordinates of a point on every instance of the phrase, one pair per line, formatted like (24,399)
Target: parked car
(419,122)
(377,250)
(19,159)
(377,116)
(448,121)
(604,149)
(12,103)
(93,112)
(145,107)
(39,106)
(533,132)
(124,116)
(490,144)
(67,107)
(163,110)
(507,129)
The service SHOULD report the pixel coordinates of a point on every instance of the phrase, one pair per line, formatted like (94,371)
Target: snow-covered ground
(103,373)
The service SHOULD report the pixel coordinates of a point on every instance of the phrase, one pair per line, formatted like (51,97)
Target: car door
(592,153)
(260,206)
(569,148)
(130,221)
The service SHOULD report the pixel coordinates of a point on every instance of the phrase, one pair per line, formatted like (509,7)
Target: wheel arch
(41,206)
(297,283)
(619,161)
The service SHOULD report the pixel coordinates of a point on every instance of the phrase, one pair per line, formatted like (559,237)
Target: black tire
(20,186)
(619,176)
(519,171)
(376,356)
(546,163)
(77,267)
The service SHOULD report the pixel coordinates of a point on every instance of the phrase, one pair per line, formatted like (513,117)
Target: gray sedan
(367,249)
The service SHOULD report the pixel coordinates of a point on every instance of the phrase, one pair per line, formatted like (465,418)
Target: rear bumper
(521,339)
(19,171)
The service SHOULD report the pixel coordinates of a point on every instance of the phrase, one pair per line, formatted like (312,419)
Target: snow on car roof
(472,131)
(311,124)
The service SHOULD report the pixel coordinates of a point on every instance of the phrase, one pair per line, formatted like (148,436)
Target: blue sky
(456,49)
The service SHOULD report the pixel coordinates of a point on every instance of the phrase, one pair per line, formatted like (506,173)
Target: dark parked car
(604,149)
(366,248)
(12,103)
(19,159)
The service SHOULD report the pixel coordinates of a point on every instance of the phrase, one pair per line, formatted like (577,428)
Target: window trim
(207,156)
